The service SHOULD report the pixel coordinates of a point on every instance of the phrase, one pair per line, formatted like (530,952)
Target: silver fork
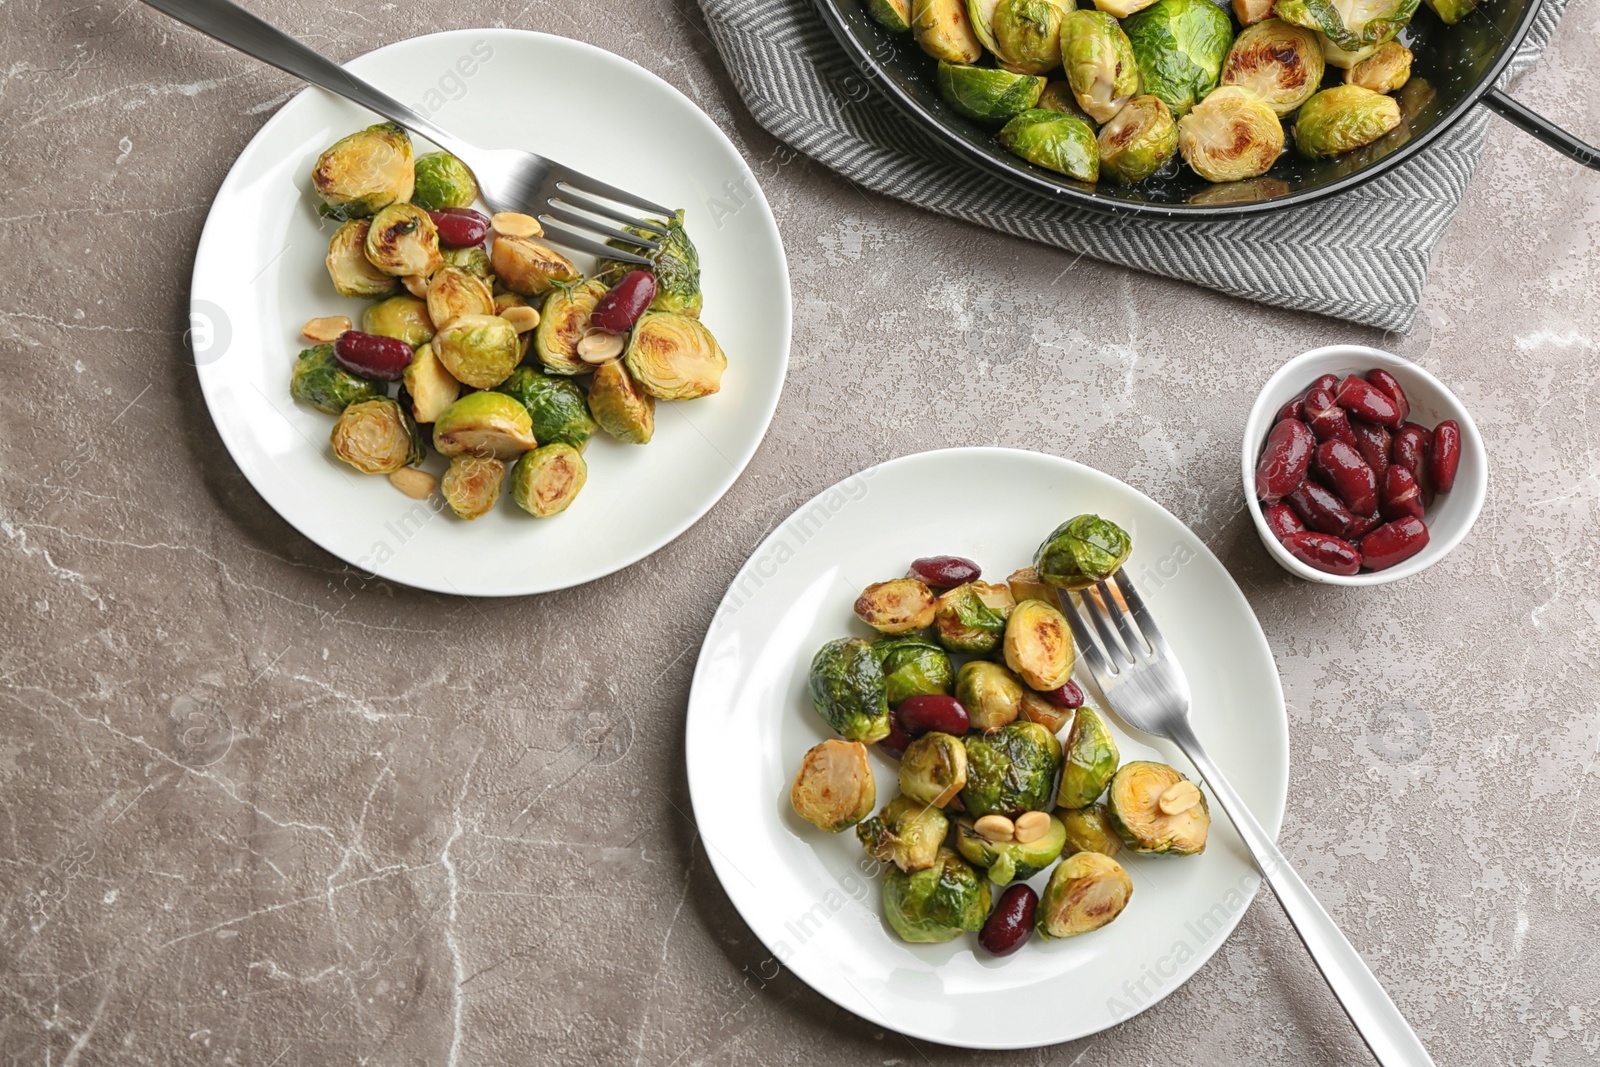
(1146,687)
(569,204)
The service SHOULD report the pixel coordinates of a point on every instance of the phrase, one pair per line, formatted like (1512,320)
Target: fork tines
(1113,628)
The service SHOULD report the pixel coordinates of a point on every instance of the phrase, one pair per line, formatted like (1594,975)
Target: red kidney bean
(1373,444)
(1282,520)
(1349,476)
(1361,398)
(1365,525)
(1284,460)
(898,740)
(1010,924)
(1401,494)
(1411,446)
(944,572)
(1327,420)
(932,711)
(623,303)
(1324,552)
(460,227)
(1394,542)
(371,356)
(1294,409)
(1326,381)
(1069,696)
(1321,510)
(1445,455)
(1385,383)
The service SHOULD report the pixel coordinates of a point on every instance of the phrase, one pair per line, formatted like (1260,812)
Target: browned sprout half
(972,617)
(352,272)
(619,407)
(403,240)
(1150,807)
(452,293)
(933,769)
(896,607)
(430,386)
(834,788)
(674,357)
(990,693)
(905,833)
(1025,584)
(403,317)
(528,266)
(1090,830)
(1250,12)
(1278,61)
(1038,645)
(1036,708)
(376,437)
(546,481)
(484,424)
(1230,135)
(1384,71)
(472,485)
(366,171)
(1342,118)
(562,324)
(1086,891)
(1138,140)
(943,30)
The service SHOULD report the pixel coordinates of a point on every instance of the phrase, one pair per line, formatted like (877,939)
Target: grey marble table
(257,810)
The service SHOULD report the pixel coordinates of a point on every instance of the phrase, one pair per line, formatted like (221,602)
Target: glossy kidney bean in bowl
(1360,467)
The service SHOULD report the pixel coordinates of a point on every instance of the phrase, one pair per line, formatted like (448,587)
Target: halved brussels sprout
(1340,58)
(933,769)
(1088,760)
(619,407)
(1057,96)
(1090,830)
(1010,770)
(913,666)
(478,350)
(452,293)
(1341,118)
(1250,12)
(321,381)
(1025,584)
(971,617)
(1082,551)
(892,15)
(474,260)
(1385,70)
(352,272)
(1278,61)
(1086,891)
(1230,135)
(364,172)
(1038,645)
(1027,34)
(442,180)
(834,788)
(987,94)
(1010,861)
(937,904)
(562,324)
(403,241)
(674,357)
(675,263)
(1138,140)
(1180,46)
(980,16)
(1350,24)
(943,30)
(1099,63)
(897,606)
(1122,8)
(1036,708)
(1134,803)
(905,833)
(472,485)
(846,684)
(484,424)
(403,317)
(990,693)
(547,480)
(1451,12)
(528,266)
(376,437)
(556,405)
(1054,140)
(429,385)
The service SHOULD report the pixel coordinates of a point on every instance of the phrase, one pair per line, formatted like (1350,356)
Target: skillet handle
(1540,127)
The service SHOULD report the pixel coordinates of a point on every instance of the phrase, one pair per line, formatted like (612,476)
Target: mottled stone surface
(256,810)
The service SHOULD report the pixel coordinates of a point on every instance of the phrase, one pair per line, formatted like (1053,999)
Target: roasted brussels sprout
(674,357)
(403,240)
(1180,46)
(562,324)
(528,266)
(1099,63)
(365,172)
(1451,12)
(980,16)
(1054,140)
(452,293)
(376,437)
(1010,861)
(913,666)
(943,30)
(546,481)
(1010,770)
(847,690)
(990,693)
(1384,71)
(618,407)
(1122,8)
(1350,24)
(1250,12)
(675,263)
(1280,62)
(1230,135)
(320,380)
(1088,760)
(478,350)
(1086,891)
(473,260)
(1341,58)
(987,94)
(1025,584)
(933,769)
(892,15)
(429,385)
(472,485)
(556,405)
(403,317)
(352,272)
(897,606)
(971,617)
(937,904)
(1038,645)
(1138,140)
(1082,551)
(1341,118)
(484,424)
(1090,830)
(1057,96)
(1027,35)
(905,833)
(834,788)
(442,180)
(1036,708)
(1135,804)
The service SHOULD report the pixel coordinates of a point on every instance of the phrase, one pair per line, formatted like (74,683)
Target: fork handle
(1382,1027)
(238,28)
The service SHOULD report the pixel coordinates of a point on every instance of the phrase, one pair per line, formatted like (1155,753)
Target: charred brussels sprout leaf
(484,424)
(905,833)
(990,693)
(442,180)
(1350,24)
(834,788)
(1036,708)
(913,666)
(1010,770)
(987,94)
(1054,140)
(403,241)
(675,263)
(1278,61)
(971,617)
(1384,71)
(1038,645)
(1180,46)
(472,485)
(429,385)
(320,381)
(1088,760)
(847,690)
(943,30)
(1086,891)
(562,324)
(530,267)
(619,407)
(1342,118)
(452,293)
(352,272)
(933,769)
(377,437)
(1230,135)
(365,172)
(1099,63)
(1010,861)
(546,481)
(1138,140)
(937,904)
(674,357)
(1082,551)
(898,606)
(556,406)
(1025,584)
(892,15)
(1134,803)
(1090,830)
(1027,35)
(403,317)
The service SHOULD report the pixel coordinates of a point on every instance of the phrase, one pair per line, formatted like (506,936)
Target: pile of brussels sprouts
(968,685)
(496,340)
(1119,92)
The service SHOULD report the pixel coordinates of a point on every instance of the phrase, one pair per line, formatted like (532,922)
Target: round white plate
(808,895)
(259,275)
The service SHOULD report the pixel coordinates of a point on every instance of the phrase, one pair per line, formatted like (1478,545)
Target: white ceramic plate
(808,895)
(259,275)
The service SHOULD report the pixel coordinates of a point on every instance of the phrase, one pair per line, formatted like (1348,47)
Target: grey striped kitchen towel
(800,86)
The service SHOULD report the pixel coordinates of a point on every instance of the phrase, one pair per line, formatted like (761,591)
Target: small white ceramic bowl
(1452,514)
